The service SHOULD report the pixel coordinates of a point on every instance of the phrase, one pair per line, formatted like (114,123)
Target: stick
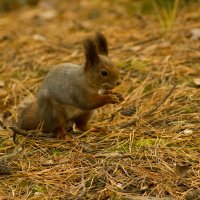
(82,193)
(11,155)
(150,112)
(161,102)
(29,134)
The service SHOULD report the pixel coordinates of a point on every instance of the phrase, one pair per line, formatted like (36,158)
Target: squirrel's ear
(102,44)
(91,53)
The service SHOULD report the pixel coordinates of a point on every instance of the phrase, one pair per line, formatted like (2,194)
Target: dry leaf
(38,37)
(188,131)
(182,170)
(47,162)
(196,81)
(193,194)
(2,83)
(48,15)
(26,101)
(195,34)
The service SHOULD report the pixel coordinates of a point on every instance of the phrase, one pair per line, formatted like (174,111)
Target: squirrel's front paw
(113,99)
(119,96)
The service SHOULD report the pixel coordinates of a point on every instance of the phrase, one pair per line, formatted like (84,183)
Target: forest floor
(149,145)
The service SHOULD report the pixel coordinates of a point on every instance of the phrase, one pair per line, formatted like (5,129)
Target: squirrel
(70,93)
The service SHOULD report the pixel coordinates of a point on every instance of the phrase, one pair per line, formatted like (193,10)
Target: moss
(145,142)
(124,65)
(192,109)
(55,152)
(140,65)
(38,188)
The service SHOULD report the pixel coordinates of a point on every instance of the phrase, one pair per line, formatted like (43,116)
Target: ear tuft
(91,53)
(102,44)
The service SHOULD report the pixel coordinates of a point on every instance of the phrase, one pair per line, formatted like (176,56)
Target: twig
(3,125)
(150,112)
(130,123)
(11,155)
(29,134)
(149,40)
(131,197)
(161,102)
(112,155)
(79,197)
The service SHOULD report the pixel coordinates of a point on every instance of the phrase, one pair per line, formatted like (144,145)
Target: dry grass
(157,154)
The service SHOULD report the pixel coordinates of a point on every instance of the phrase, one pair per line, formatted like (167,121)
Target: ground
(148,145)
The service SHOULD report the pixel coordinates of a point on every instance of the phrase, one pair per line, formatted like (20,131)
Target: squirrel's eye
(104,73)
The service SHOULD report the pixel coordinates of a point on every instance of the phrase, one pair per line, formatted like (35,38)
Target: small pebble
(188,131)
(2,83)
(119,185)
(128,111)
(38,37)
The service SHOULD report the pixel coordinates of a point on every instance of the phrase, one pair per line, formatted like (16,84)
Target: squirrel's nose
(118,83)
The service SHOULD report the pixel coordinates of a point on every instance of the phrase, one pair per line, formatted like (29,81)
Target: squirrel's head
(101,72)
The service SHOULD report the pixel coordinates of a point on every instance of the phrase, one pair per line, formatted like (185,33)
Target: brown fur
(29,119)
(102,44)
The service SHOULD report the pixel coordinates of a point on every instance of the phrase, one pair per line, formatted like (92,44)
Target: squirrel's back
(61,82)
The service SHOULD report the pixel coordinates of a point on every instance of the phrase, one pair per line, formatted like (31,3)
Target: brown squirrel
(71,92)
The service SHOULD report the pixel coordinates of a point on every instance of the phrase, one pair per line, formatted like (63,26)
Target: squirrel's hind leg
(62,134)
(82,121)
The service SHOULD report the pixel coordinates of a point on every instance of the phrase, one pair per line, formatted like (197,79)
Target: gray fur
(65,84)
